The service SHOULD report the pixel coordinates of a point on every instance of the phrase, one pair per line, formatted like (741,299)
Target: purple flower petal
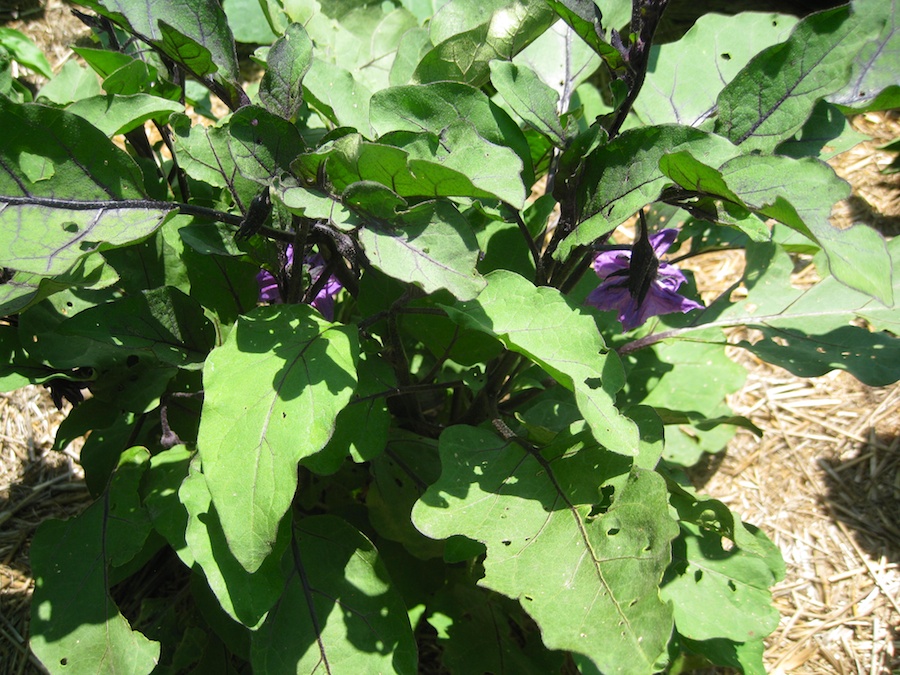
(269,290)
(661,298)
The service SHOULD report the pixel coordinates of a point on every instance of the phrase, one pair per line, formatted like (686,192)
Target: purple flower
(270,291)
(637,299)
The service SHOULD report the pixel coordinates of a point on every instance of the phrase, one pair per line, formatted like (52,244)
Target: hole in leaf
(506,542)
(64,661)
(132,361)
(698,575)
(726,56)
(528,598)
(70,227)
(612,531)
(732,586)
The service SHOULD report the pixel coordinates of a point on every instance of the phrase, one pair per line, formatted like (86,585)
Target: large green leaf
(530,98)
(624,175)
(812,331)
(203,22)
(436,107)
(114,114)
(431,245)
(718,593)
(469,34)
(337,96)
(271,396)
(162,323)
(245,596)
(714,50)
(544,326)
(590,580)
(800,194)
(74,621)
(54,210)
(262,144)
(339,611)
(770,99)
(473,167)
(875,64)
(361,38)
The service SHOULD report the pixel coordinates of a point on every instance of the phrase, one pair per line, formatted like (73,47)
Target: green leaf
(436,107)
(24,51)
(74,621)
(248,22)
(49,224)
(245,596)
(262,145)
(335,94)
(713,51)
(281,369)
(584,17)
(736,583)
(202,22)
(800,194)
(162,323)
(544,326)
(473,167)
(399,477)
(361,38)
(281,88)
(624,176)
(73,82)
(24,289)
(339,611)
(204,153)
(692,378)
(481,631)
(874,64)
(159,491)
(826,134)
(559,60)
(431,245)
(810,331)
(469,34)
(361,429)
(771,98)
(530,98)
(589,580)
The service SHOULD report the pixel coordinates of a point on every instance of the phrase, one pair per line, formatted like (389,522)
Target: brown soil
(823,482)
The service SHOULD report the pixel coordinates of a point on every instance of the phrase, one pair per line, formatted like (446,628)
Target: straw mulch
(823,482)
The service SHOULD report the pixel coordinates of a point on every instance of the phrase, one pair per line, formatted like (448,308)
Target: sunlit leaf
(282,369)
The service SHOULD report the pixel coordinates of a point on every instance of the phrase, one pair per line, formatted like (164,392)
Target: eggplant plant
(369,378)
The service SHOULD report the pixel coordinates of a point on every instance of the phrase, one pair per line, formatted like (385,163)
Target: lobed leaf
(544,326)
(589,581)
(529,97)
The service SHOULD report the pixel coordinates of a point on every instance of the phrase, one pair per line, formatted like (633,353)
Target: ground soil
(823,482)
